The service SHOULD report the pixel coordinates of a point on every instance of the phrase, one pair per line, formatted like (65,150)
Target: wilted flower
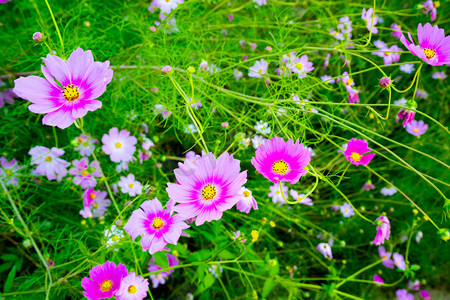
(383,230)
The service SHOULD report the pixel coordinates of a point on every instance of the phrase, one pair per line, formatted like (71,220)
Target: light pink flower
(367,17)
(383,230)
(84,173)
(325,249)
(416,128)
(85,145)
(119,145)
(297,196)
(48,162)
(386,257)
(132,287)
(9,171)
(258,69)
(247,201)
(128,185)
(95,203)
(399,261)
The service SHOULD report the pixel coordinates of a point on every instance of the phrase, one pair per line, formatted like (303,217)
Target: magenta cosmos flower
(278,160)
(417,128)
(434,46)
(132,288)
(207,187)
(79,81)
(48,162)
(104,280)
(378,279)
(157,225)
(84,173)
(119,145)
(355,152)
(383,230)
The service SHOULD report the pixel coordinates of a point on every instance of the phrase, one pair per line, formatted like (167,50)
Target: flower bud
(37,37)
(191,70)
(385,82)
(166,70)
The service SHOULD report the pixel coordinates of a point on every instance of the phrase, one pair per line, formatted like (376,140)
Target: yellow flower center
(118,145)
(384,256)
(355,156)
(436,4)
(277,192)
(209,192)
(80,140)
(299,66)
(131,185)
(386,53)
(92,195)
(132,289)
(416,130)
(349,81)
(48,158)
(85,144)
(71,93)
(325,246)
(157,223)
(260,71)
(167,1)
(85,173)
(429,53)
(280,167)
(246,194)
(95,204)
(8,172)
(106,285)
(115,238)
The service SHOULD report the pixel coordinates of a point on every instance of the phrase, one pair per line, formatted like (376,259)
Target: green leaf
(415,267)
(268,287)
(161,259)
(10,279)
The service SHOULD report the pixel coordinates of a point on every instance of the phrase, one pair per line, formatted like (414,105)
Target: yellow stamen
(106,285)
(299,66)
(246,194)
(349,81)
(85,173)
(92,195)
(209,192)
(80,140)
(355,156)
(131,185)
(280,167)
(48,158)
(429,53)
(118,145)
(71,93)
(115,238)
(8,172)
(416,130)
(157,223)
(132,289)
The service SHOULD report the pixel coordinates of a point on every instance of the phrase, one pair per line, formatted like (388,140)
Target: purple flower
(166,6)
(399,261)
(9,171)
(157,225)
(85,145)
(403,295)
(247,201)
(132,288)
(416,128)
(278,160)
(119,145)
(159,108)
(347,210)
(6,95)
(421,94)
(48,163)
(436,75)
(389,55)
(378,279)
(79,81)
(407,116)
(95,203)
(356,152)
(85,173)
(130,186)
(383,230)
(368,186)
(297,196)
(276,193)
(207,187)
(325,249)
(386,257)
(433,47)
(388,190)
(104,280)
(407,68)
(258,69)
(425,295)
(301,66)
(414,285)
(237,74)
(367,17)
(431,6)
(396,30)
(160,278)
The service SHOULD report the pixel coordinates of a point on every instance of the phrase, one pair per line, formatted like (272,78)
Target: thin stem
(56,25)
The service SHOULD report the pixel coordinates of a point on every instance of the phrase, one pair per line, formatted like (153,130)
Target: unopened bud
(385,82)
(191,70)
(37,37)
(166,70)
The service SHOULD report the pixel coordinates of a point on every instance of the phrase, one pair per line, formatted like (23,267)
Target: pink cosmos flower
(383,230)
(132,287)
(355,152)
(237,74)
(347,210)
(407,116)
(208,187)
(9,171)
(276,193)
(297,196)
(403,295)
(48,163)
(399,261)
(353,95)
(160,278)
(386,257)
(388,190)
(260,2)
(85,173)
(431,6)
(436,75)
(95,203)
(79,81)
(6,95)
(85,145)
(414,285)
(434,46)
(130,186)
(119,145)
(368,186)
(367,17)
(302,66)
(278,160)
(396,30)
(425,295)
(416,128)
(166,6)
(325,249)
(326,61)
(258,69)
(157,225)
(159,108)
(247,201)
(389,57)
(378,279)
(104,281)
